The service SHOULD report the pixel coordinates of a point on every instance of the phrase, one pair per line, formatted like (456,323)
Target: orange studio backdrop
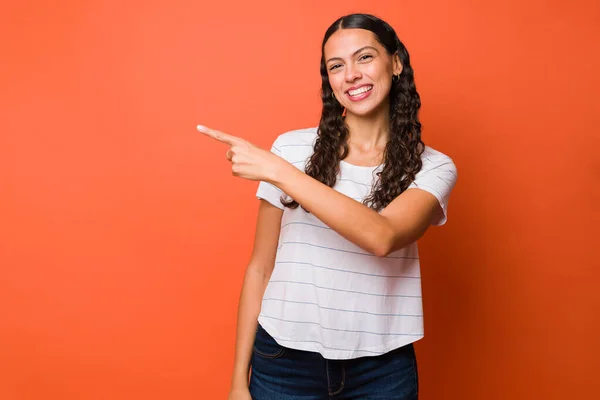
(124,237)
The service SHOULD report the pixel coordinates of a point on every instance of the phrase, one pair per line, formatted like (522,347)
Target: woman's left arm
(402,222)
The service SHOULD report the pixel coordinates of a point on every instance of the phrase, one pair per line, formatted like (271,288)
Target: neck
(371,131)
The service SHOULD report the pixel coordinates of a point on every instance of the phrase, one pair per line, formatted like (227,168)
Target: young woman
(331,302)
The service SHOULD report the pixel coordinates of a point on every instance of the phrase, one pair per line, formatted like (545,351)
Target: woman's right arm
(257,276)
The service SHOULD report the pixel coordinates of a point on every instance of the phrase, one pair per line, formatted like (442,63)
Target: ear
(396,64)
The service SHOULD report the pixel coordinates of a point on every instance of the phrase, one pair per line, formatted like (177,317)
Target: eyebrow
(355,53)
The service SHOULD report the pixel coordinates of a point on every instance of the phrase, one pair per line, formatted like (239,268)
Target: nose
(352,73)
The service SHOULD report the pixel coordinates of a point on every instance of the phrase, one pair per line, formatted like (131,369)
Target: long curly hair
(402,155)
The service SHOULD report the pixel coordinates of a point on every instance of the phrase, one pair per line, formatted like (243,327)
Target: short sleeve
(267,191)
(438,177)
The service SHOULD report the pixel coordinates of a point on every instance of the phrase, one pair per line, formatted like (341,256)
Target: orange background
(124,237)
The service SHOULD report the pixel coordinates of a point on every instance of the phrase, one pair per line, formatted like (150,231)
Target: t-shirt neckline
(360,167)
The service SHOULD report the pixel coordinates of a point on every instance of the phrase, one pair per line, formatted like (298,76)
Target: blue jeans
(280,373)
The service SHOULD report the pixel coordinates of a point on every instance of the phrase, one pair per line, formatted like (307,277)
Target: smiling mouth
(360,90)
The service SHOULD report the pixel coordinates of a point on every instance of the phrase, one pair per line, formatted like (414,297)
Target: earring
(396,78)
(333,96)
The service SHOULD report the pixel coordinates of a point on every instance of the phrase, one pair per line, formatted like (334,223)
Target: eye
(365,56)
(334,67)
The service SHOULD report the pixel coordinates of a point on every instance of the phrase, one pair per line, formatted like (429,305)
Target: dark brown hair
(402,155)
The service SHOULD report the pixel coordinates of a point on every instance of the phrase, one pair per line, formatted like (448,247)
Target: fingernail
(200,127)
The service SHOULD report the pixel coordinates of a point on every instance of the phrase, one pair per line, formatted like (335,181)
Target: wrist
(240,379)
(239,384)
(281,173)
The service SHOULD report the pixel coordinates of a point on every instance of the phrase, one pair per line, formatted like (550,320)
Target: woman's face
(360,70)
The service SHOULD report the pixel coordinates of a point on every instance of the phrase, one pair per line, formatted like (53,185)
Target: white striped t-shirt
(328,295)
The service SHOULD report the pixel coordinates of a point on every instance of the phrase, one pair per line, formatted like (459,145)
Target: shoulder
(438,171)
(297,137)
(437,176)
(296,146)
(434,159)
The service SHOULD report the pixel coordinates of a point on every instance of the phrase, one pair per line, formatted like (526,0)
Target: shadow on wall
(455,264)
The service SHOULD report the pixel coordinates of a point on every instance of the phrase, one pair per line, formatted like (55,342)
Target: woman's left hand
(247,160)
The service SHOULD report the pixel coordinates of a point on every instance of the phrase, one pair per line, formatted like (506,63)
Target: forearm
(248,310)
(354,221)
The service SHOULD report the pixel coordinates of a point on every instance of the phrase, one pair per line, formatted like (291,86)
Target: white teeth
(360,90)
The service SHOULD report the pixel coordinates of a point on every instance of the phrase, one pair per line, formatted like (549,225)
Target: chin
(365,111)
(368,109)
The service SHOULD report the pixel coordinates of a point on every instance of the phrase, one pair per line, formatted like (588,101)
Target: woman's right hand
(239,393)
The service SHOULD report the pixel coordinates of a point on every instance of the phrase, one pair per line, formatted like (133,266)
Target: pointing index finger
(220,136)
